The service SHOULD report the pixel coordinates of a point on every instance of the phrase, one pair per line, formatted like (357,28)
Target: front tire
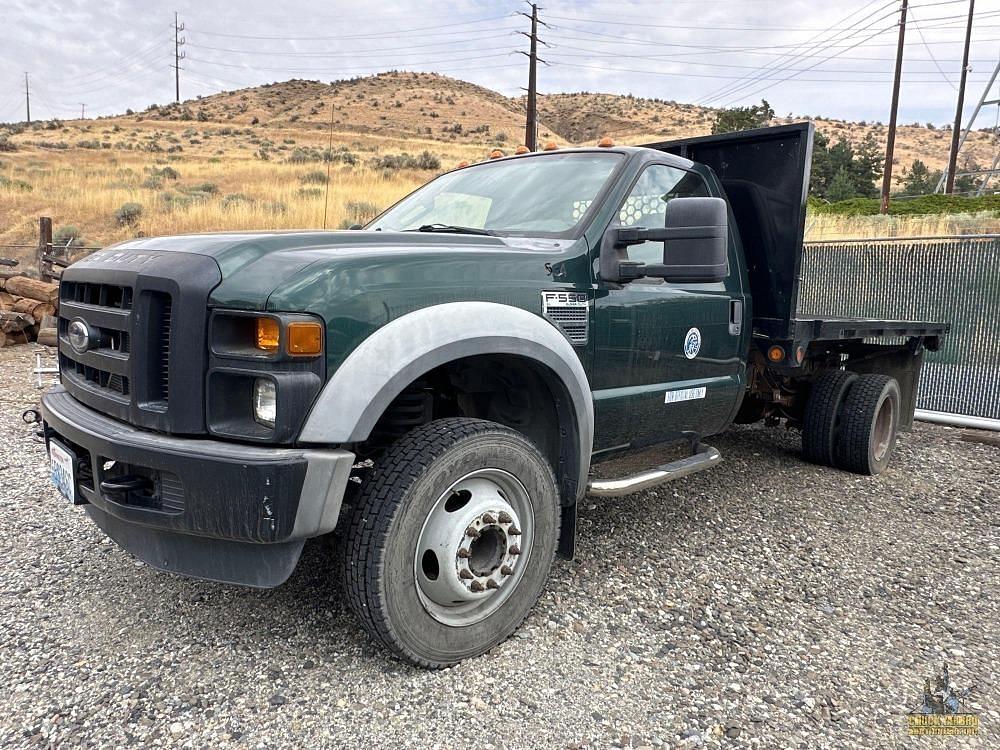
(450,541)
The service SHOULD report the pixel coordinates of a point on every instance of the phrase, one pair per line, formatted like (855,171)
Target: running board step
(704,457)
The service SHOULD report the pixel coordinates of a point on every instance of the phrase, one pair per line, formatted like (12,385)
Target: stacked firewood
(27,310)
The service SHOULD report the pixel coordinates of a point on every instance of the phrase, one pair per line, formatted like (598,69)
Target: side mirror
(695,244)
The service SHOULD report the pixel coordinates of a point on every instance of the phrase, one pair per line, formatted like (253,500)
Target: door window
(646,204)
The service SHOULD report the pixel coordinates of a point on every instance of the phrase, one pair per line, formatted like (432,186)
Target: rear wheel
(450,541)
(822,415)
(869,422)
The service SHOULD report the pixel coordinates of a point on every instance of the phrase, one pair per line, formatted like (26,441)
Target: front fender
(400,352)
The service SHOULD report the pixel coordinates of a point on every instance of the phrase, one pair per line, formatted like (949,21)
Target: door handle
(735,317)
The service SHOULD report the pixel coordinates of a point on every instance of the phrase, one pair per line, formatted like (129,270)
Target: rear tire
(450,541)
(822,416)
(868,425)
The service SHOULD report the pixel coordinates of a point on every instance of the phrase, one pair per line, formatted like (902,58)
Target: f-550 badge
(692,343)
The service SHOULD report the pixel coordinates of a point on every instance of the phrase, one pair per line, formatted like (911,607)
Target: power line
(356,36)
(808,47)
(369,53)
(930,52)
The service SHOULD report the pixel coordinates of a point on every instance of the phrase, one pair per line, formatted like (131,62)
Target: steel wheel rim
(473,548)
(883,429)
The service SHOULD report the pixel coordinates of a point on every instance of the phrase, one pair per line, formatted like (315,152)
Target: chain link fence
(951,279)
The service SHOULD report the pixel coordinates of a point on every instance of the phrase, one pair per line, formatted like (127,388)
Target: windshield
(544,195)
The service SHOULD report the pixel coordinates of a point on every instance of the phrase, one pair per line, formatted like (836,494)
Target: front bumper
(205,508)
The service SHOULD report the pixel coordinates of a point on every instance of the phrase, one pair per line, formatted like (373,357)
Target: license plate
(61,468)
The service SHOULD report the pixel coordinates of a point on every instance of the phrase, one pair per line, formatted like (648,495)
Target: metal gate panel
(954,280)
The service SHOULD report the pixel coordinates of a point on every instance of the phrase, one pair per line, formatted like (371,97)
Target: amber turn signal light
(606,142)
(550,146)
(268,334)
(496,153)
(775,353)
(304,338)
(521,150)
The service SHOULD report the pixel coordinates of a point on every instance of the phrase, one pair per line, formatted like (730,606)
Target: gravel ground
(768,603)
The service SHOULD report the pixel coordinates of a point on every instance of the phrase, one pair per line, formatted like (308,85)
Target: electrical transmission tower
(531,119)
(179,41)
(987,173)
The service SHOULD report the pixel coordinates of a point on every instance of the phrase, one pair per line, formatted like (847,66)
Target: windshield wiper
(452,228)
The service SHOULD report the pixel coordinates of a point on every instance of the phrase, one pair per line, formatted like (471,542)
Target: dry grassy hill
(584,117)
(253,158)
(398,104)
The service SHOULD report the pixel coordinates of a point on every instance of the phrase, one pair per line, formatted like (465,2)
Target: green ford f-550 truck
(435,387)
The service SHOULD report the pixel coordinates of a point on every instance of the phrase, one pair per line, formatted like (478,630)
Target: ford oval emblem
(692,343)
(79,335)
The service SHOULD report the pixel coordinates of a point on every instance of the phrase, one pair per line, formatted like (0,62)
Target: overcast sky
(810,57)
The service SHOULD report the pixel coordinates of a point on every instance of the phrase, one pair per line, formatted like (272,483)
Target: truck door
(668,357)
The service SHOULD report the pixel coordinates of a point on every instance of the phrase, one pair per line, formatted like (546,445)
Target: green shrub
(360,212)
(68,236)
(315,177)
(204,187)
(235,200)
(392,162)
(129,214)
(152,183)
(6,144)
(925,204)
(310,192)
(167,173)
(19,185)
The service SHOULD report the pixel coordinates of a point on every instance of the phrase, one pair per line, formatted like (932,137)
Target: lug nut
(489,518)
(514,531)
(515,550)
(466,574)
(471,531)
(506,570)
(476,586)
(491,584)
(464,553)
(504,517)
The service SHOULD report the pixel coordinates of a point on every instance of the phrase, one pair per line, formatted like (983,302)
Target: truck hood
(256,264)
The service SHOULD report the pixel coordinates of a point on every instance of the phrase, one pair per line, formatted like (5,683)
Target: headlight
(265,401)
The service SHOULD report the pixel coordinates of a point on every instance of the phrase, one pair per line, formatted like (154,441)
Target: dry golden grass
(84,187)
(221,139)
(831,227)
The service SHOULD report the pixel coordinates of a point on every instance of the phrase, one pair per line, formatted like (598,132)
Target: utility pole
(956,130)
(27,98)
(531,119)
(890,143)
(178,56)
(83,111)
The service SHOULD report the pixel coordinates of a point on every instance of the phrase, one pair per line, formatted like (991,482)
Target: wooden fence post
(44,247)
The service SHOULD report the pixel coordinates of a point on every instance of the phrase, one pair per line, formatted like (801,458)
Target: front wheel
(450,540)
